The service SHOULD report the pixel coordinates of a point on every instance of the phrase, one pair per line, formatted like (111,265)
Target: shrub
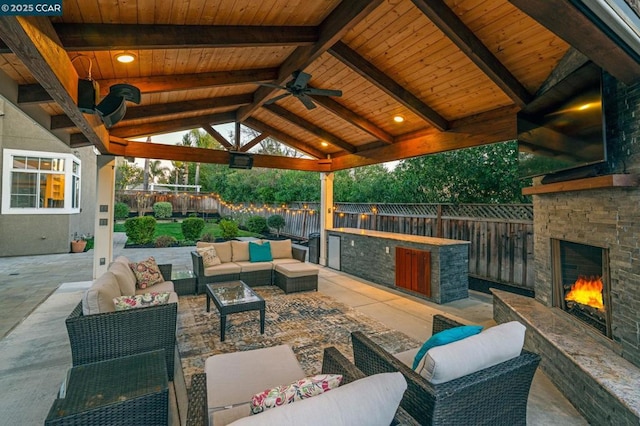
(192,227)
(276,222)
(140,230)
(120,211)
(165,241)
(208,237)
(162,210)
(229,229)
(256,224)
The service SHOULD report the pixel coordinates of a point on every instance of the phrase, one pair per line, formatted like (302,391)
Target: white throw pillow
(493,346)
(369,401)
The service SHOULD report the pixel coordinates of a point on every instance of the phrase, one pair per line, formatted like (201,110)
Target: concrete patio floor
(35,354)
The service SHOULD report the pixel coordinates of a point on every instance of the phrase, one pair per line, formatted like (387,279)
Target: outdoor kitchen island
(434,268)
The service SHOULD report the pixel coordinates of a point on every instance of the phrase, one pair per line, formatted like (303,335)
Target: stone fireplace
(580,276)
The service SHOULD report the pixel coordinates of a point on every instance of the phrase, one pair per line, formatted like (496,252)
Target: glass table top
(233,293)
(181,272)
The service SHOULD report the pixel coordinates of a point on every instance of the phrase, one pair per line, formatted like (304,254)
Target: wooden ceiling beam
(253,142)
(310,127)
(481,129)
(353,118)
(213,156)
(35,43)
(342,18)
(32,93)
(283,137)
(563,19)
(379,79)
(217,136)
(444,18)
(176,125)
(91,37)
(149,111)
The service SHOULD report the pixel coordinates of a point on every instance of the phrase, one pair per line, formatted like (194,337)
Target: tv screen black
(565,132)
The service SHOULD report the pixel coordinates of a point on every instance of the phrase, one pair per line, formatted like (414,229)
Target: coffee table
(231,297)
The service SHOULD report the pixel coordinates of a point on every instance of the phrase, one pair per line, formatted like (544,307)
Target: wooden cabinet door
(413,270)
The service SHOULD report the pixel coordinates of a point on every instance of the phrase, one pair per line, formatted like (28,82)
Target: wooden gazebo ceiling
(456,70)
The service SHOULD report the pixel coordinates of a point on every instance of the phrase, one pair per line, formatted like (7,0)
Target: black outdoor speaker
(240,160)
(88,95)
(113,107)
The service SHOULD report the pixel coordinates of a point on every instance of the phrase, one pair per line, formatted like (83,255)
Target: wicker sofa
(113,334)
(333,363)
(236,264)
(493,396)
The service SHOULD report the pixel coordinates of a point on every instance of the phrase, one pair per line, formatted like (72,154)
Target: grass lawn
(174,229)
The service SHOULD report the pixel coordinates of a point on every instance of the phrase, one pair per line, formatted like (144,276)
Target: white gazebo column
(103,230)
(326,212)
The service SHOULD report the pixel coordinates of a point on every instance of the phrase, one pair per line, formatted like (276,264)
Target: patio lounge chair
(333,363)
(493,396)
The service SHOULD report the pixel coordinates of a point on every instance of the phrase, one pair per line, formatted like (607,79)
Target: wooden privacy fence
(501,235)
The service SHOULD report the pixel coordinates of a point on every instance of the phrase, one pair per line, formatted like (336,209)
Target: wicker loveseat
(102,336)
(236,264)
(493,396)
(333,363)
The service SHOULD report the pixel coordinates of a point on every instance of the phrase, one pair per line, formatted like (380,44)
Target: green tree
(128,175)
(199,139)
(158,173)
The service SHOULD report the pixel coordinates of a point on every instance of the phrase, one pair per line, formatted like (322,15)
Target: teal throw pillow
(446,336)
(260,252)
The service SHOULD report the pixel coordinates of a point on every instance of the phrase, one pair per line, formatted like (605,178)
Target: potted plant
(79,243)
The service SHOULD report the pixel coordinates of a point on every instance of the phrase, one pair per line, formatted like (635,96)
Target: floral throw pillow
(296,391)
(147,272)
(123,303)
(209,256)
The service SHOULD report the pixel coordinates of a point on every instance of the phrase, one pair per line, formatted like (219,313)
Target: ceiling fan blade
(323,92)
(277,98)
(272,85)
(301,80)
(307,101)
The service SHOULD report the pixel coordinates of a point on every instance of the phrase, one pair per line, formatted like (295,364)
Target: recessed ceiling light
(125,57)
(324,144)
(398,118)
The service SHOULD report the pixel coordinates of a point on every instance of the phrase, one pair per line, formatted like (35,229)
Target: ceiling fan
(297,87)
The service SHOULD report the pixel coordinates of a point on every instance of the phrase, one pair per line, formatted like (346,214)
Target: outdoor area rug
(308,322)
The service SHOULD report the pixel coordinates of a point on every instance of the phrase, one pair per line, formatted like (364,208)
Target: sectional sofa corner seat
(287,269)
(98,332)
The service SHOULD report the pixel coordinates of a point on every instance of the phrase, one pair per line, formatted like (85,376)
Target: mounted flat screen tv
(564,129)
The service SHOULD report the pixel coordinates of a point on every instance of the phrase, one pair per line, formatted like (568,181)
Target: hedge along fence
(501,236)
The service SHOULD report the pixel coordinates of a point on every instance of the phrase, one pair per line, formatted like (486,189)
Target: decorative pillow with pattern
(209,256)
(296,391)
(123,303)
(147,272)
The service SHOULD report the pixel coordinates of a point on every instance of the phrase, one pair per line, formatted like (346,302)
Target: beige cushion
(99,297)
(233,378)
(254,266)
(281,249)
(222,269)
(283,261)
(122,259)
(163,287)
(295,270)
(474,353)
(239,251)
(126,278)
(371,401)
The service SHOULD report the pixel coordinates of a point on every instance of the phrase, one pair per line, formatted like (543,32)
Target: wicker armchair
(333,362)
(494,396)
(116,334)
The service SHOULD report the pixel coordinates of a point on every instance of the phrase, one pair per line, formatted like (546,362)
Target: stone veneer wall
(607,218)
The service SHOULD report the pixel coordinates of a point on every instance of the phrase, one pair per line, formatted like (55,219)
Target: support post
(326,212)
(103,228)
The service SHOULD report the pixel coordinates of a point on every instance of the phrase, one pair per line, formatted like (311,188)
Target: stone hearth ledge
(549,331)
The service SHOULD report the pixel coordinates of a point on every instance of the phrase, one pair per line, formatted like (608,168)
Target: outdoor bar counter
(385,258)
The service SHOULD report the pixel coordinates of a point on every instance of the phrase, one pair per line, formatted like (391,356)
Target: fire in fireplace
(581,284)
